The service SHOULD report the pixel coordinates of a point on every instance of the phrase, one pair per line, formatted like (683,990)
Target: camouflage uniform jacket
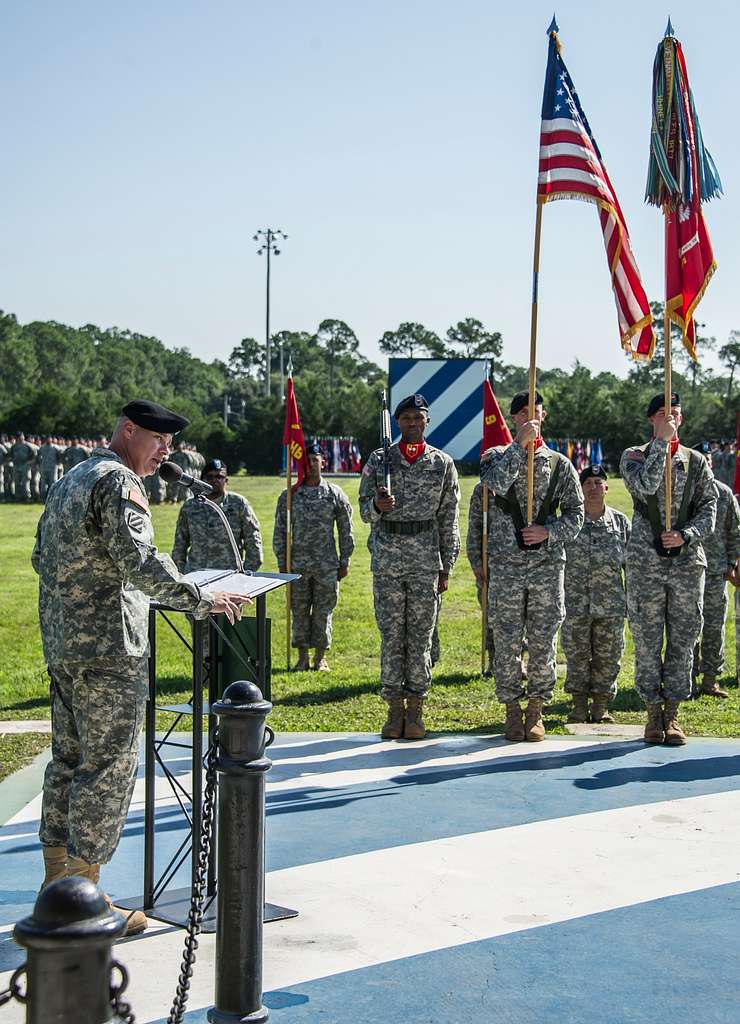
(722,547)
(185,461)
(201,541)
(73,456)
(474,539)
(98,566)
(506,465)
(594,564)
(22,453)
(314,510)
(426,489)
(48,458)
(643,471)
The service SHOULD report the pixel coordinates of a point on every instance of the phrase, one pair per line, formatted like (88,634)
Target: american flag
(571,168)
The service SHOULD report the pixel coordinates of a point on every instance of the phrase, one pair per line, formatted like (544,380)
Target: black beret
(704,447)
(214,466)
(315,449)
(658,402)
(597,471)
(521,399)
(152,416)
(412,402)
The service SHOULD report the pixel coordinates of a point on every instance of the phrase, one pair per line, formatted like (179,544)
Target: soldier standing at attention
(74,454)
(722,549)
(316,507)
(595,605)
(181,457)
(4,449)
(666,568)
(200,539)
(415,543)
(98,567)
(527,587)
(474,551)
(48,458)
(22,453)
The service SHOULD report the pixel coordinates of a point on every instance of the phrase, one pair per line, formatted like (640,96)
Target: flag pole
(667,401)
(288,534)
(484,583)
(533,361)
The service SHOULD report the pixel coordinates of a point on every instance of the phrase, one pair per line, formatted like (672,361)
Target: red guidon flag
(495,430)
(293,435)
(689,264)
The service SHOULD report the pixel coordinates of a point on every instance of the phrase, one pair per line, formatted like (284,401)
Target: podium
(216,646)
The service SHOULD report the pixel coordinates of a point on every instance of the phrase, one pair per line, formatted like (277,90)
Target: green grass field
(347,698)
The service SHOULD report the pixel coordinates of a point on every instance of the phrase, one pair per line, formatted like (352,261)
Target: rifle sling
(649,509)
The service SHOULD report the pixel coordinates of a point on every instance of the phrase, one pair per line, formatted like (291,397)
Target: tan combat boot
(393,728)
(580,708)
(136,920)
(711,688)
(674,734)
(55,864)
(534,727)
(600,708)
(413,726)
(320,664)
(514,730)
(654,728)
(302,665)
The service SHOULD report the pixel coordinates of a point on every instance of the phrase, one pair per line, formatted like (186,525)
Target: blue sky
(395,143)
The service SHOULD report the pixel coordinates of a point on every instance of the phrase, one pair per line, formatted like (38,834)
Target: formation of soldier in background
(31,463)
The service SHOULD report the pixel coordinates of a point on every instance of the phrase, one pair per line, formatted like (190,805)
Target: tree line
(66,380)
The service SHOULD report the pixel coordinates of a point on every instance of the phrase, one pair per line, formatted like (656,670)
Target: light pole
(267,239)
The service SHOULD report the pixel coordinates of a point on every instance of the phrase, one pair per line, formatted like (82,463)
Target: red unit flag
(495,430)
(293,434)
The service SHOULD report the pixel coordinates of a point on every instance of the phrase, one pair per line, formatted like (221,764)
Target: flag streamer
(681,176)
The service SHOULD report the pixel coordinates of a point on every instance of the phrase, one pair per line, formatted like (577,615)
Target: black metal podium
(216,648)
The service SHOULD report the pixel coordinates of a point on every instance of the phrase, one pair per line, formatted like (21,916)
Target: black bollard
(242,737)
(69,937)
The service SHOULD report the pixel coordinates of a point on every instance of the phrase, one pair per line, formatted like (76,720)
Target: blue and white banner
(454,390)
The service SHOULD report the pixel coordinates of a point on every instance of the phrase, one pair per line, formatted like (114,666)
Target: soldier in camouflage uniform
(98,567)
(23,453)
(526,588)
(48,459)
(474,551)
(722,549)
(595,605)
(316,507)
(200,539)
(74,454)
(415,543)
(181,457)
(4,449)
(664,590)
(155,489)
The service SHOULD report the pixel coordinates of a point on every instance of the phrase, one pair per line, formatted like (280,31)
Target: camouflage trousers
(406,612)
(9,483)
(313,598)
(664,601)
(97,710)
(593,648)
(522,597)
(22,482)
(711,644)
(48,477)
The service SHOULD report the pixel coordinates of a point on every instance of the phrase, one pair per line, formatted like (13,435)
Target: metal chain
(13,990)
(198,892)
(121,1009)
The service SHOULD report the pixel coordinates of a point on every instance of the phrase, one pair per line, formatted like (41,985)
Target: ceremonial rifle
(385,441)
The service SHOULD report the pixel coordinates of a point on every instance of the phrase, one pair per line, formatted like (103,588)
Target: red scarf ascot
(538,442)
(412,452)
(674,445)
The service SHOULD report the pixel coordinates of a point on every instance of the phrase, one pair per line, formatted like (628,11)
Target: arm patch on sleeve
(134,495)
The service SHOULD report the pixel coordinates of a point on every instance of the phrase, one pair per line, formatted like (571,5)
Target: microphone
(171,473)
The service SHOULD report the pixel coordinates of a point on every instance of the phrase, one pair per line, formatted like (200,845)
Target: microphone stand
(203,500)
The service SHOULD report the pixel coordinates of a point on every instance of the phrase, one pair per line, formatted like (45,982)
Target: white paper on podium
(250,584)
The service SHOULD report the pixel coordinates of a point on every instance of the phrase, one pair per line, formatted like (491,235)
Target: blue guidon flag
(571,168)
